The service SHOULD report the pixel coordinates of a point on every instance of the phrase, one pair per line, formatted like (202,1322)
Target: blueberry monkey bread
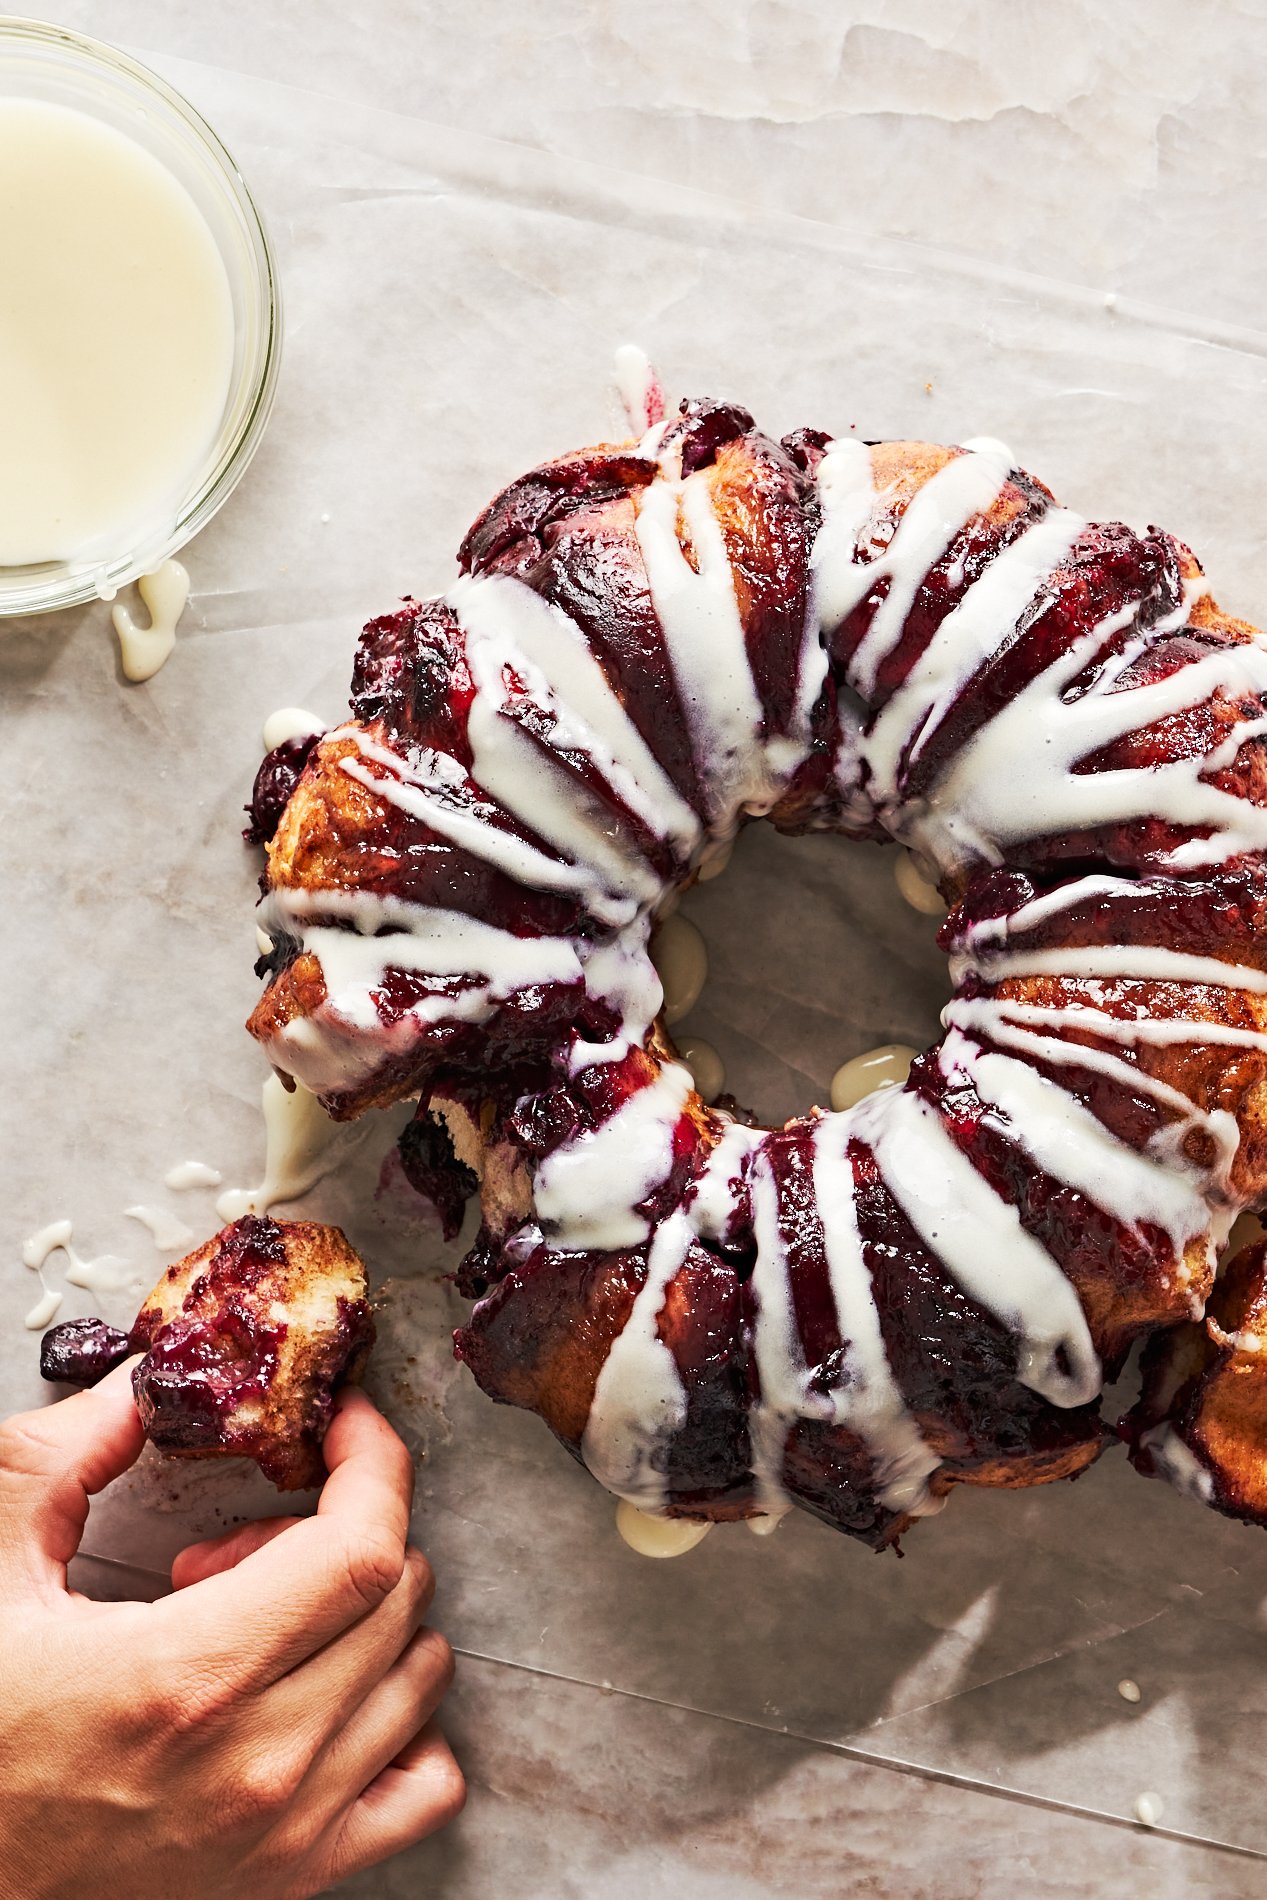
(650,644)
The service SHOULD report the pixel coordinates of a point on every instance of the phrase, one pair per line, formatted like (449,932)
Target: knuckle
(186,1704)
(260,1788)
(419,1575)
(290,1847)
(436,1654)
(373,1565)
(450,1791)
(428,1669)
(293,1840)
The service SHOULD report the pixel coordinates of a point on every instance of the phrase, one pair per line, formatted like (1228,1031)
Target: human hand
(265,1730)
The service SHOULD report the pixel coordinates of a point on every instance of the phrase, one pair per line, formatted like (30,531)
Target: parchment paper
(452,305)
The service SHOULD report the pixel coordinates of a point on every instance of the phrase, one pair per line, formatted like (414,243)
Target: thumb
(52,1460)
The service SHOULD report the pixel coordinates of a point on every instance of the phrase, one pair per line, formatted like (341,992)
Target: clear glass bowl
(39,61)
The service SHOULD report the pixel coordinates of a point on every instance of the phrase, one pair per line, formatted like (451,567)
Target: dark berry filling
(278,775)
(198,1373)
(433,1169)
(82,1351)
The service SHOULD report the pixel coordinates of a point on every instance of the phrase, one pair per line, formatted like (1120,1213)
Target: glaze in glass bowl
(39,61)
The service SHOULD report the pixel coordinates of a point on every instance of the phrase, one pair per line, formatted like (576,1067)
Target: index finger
(288,1599)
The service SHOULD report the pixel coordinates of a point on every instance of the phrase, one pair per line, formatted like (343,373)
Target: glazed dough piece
(245,1342)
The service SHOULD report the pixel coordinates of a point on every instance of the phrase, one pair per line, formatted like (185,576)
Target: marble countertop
(923,218)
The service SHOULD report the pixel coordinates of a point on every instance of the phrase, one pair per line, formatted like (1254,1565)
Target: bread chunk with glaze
(245,1342)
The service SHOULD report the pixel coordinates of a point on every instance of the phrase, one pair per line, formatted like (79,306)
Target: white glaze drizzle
(346,1036)
(446,944)
(192,1174)
(38,1246)
(991,932)
(433,787)
(1178,1463)
(786,1394)
(1092,967)
(587,1191)
(290,722)
(107,1274)
(1014,779)
(867,1400)
(547,648)
(978,1236)
(511,767)
(846,496)
(704,639)
(35,1251)
(980,1241)
(639,1401)
(46,1308)
(659,1536)
(712,1198)
(302,1145)
(939,510)
(973,632)
(1165,1031)
(1134,962)
(168,1232)
(143,650)
(1005,786)
(1019,1026)
(639,387)
(1072,1145)
(621,974)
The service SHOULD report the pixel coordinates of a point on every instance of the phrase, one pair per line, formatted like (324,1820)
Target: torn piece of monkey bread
(245,1343)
